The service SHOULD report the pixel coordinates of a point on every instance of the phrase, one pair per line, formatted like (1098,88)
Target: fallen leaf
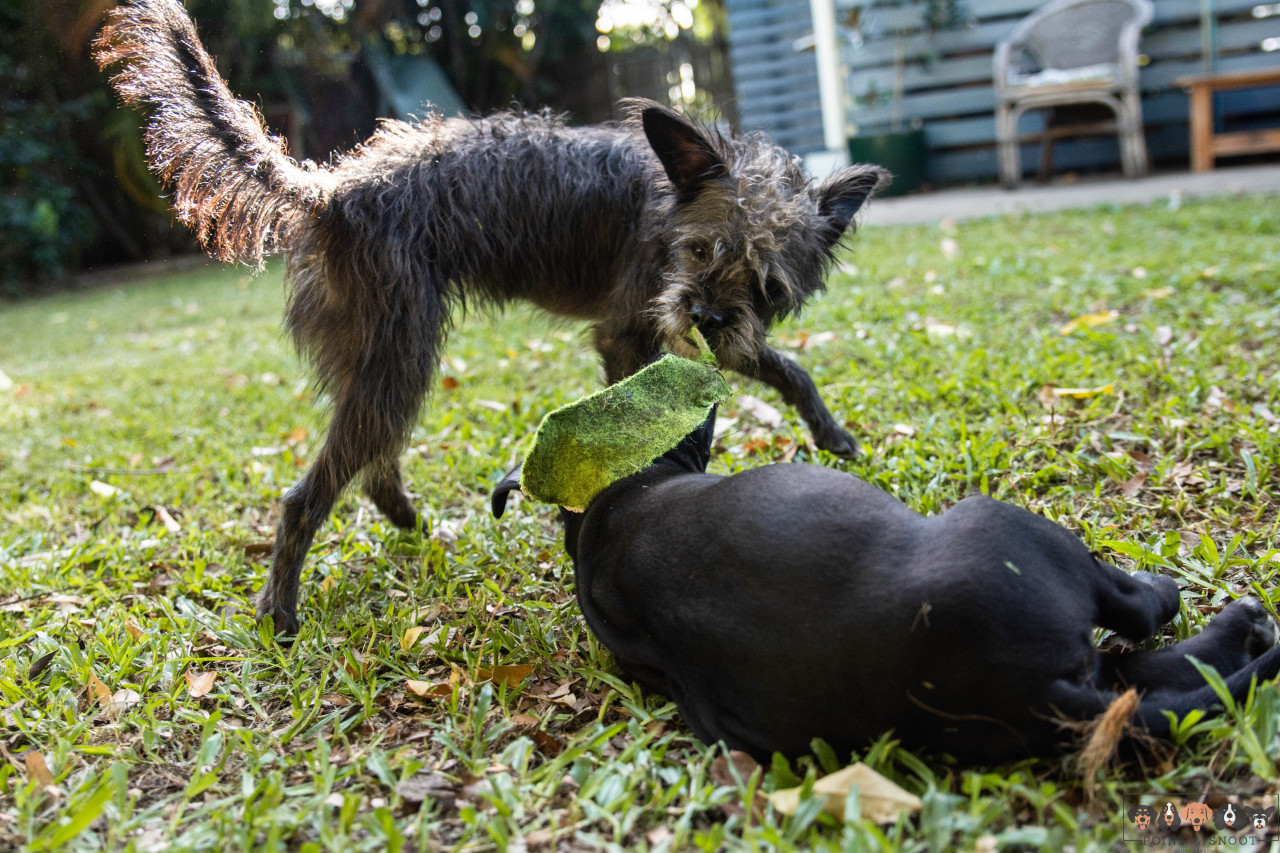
(100,691)
(134,631)
(124,699)
(904,429)
(880,800)
(101,489)
(1089,321)
(257,549)
(297,435)
(163,516)
(1219,400)
(734,769)
(1133,485)
(1184,474)
(448,383)
(762,412)
(37,769)
(512,675)
(39,665)
(945,330)
(428,689)
(423,786)
(1053,391)
(410,637)
(199,683)
(491,404)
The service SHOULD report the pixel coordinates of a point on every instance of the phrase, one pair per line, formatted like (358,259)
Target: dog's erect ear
(686,153)
(843,194)
(508,484)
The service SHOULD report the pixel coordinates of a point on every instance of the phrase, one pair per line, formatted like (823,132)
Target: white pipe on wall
(830,73)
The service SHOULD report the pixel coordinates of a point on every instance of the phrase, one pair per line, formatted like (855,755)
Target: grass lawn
(150,428)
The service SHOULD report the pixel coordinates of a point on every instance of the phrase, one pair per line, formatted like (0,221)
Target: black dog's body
(644,230)
(792,601)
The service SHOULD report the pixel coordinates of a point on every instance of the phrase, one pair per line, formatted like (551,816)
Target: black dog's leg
(797,389)
(1134,606)
(1238,635)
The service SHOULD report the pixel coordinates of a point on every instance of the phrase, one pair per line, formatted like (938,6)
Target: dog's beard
(737,343)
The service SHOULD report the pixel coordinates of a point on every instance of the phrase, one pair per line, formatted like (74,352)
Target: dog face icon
(1260,819)
(1229,817)
(1169,817)
(1196,814)
(1140,816)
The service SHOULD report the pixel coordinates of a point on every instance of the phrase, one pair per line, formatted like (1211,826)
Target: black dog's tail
(234,183)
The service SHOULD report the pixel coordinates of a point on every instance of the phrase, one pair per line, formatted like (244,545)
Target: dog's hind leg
(360,436)
(385,486)
(1238,635)
(377,397)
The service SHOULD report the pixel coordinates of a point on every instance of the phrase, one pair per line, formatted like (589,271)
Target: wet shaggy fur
(642,229)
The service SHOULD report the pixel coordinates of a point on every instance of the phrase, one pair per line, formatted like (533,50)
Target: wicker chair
(1072,52)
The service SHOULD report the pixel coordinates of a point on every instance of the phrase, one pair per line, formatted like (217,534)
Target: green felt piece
(584,446)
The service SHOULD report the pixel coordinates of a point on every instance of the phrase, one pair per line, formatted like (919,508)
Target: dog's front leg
(797,389)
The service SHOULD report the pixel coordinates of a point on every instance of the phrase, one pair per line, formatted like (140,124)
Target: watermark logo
(1163,820)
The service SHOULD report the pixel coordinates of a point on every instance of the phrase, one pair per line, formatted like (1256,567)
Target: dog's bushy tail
(234,183)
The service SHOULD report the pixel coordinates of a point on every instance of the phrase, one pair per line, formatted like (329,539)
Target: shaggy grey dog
(643,229)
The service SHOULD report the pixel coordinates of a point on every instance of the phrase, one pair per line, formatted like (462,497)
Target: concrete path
(1031,197)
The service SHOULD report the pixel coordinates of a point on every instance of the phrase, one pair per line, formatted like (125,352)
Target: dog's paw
(837,442)
(1255,625)
(282,623)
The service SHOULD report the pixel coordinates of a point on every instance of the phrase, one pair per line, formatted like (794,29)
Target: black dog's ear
(685,151)
(841,195)
(508,484)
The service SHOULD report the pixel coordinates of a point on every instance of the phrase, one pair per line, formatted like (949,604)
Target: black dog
(792,602)
(644,230)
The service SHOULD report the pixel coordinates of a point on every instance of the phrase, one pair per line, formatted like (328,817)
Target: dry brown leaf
(428,689)
(39,665)
(880,800)
(134,631)
(37,769)
(1088,321)
(100,691)
(1134,484)
(410,637)
(356,668)
(257,549)
(512,675)
(199,683)
(297,435)
(449,383)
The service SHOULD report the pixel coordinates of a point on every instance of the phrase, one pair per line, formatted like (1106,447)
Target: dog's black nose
(706,317)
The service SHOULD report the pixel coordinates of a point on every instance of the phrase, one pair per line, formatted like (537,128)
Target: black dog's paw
(1250,618)
(837,442)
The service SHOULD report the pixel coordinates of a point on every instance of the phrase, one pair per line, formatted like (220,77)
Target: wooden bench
(1205,144)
